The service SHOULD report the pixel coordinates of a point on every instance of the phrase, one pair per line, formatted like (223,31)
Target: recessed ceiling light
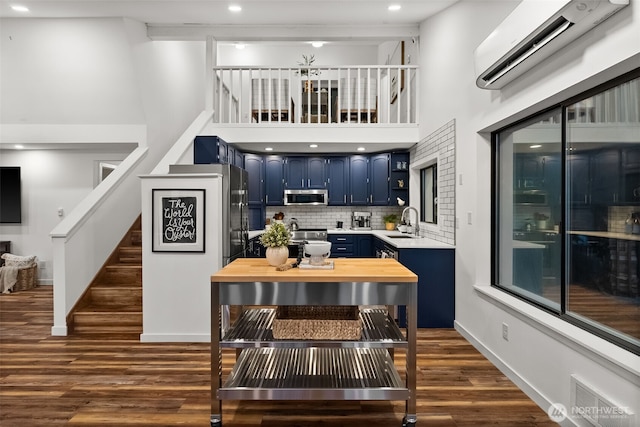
(535,146)
(394,7)
(317,44)
(235,8)
(19,8)
(268,149)
(240,46)
(360,148)
(313,145)
(18,146)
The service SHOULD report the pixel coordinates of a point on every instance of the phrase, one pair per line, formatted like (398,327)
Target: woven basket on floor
(27,279)
(317,322)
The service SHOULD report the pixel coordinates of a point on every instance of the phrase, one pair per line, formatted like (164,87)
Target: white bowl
(402,228)
(317,247)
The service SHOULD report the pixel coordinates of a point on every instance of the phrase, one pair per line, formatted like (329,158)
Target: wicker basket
(317,322)
(27,278)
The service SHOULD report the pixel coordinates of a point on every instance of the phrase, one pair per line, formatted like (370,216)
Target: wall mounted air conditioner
(532,32)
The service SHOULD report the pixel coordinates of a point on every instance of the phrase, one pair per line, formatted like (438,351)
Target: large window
(566,201)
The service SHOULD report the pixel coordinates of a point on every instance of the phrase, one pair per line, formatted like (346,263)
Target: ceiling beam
(333,33)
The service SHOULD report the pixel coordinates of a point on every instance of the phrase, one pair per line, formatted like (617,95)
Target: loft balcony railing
(330,96)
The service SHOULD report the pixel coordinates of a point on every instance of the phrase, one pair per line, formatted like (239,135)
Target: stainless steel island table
(273,369)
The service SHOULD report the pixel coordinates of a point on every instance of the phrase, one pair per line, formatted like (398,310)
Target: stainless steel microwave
(305,197)
(531,197)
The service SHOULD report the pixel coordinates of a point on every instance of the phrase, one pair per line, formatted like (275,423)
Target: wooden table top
(345,270)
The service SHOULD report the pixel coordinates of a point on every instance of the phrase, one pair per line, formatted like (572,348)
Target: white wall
(51,179)
(176,291)
(538,359)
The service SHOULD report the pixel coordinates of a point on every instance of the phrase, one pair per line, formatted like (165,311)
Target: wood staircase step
(130,255)
(112,306)
(99,320)
(122,273)
(123,295)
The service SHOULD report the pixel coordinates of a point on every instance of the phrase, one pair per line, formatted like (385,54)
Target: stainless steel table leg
(412,329)
(216,356)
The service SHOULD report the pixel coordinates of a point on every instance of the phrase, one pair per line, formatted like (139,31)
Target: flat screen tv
(10,195)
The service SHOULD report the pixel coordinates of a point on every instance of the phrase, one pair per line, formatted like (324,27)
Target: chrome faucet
(416,229)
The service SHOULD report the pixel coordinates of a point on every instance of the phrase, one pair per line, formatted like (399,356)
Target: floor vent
(596,409)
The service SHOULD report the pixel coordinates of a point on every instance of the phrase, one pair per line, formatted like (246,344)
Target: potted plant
(276,239)
(306,70)
(390,221)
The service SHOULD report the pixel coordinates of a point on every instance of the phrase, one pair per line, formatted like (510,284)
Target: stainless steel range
(299,236)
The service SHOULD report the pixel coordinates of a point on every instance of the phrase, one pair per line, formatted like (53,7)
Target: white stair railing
(343,95)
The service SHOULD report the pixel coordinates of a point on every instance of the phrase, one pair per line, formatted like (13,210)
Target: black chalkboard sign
(178,220)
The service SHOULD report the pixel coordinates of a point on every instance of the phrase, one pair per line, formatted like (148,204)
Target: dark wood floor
(84,381)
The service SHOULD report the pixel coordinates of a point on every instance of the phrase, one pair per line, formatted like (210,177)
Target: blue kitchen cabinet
(295,172)
(254,166)
(338,180)
(235,156)
(605,177)
(316,173)
(239,159)
(358,180)
(435,269)
(305,172)
(342,245)
(578,175)
(399,179)
(273,180)
(379,179)
(351,245)
(364,247)
(209,149)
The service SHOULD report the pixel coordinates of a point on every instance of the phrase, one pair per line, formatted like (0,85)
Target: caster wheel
(406,423)
(216,424)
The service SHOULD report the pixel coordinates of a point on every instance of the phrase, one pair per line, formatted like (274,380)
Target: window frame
(434,186)
(562,314)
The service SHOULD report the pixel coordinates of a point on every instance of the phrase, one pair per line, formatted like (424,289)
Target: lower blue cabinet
(351,245)
(435,269)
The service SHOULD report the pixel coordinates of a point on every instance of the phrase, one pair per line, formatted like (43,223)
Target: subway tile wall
(443,143)
(328,216)
(617,217)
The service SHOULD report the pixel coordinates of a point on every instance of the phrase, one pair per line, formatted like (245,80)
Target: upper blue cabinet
(379,179)
(305,172)
(274,180)
(338,180)
(209,149)
(358,180)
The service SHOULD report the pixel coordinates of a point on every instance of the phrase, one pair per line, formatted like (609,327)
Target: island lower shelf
(254,329)
(314,374)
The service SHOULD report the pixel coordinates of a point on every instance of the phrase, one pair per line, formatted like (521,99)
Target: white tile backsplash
(327,216)
(443,143)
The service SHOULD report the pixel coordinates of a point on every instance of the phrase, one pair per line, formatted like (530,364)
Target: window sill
(597,349)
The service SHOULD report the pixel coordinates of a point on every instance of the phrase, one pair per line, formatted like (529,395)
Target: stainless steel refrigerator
(235,222)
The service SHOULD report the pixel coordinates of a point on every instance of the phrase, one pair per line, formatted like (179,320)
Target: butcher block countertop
(345,270)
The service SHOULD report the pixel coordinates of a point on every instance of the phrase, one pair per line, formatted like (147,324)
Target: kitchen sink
(401,237)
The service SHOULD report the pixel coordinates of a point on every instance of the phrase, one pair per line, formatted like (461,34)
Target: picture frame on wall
(178,223)
(397,58)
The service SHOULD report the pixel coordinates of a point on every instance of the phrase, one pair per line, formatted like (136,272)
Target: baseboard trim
(521,383)
(175,338)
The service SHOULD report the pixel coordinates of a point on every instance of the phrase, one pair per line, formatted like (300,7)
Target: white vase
(277,256)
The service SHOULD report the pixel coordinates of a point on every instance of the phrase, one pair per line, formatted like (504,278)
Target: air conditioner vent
(533,32)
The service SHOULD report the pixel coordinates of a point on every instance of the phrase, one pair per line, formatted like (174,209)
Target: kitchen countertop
(608,235)
(376,270)
(402,243)
(387,237)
